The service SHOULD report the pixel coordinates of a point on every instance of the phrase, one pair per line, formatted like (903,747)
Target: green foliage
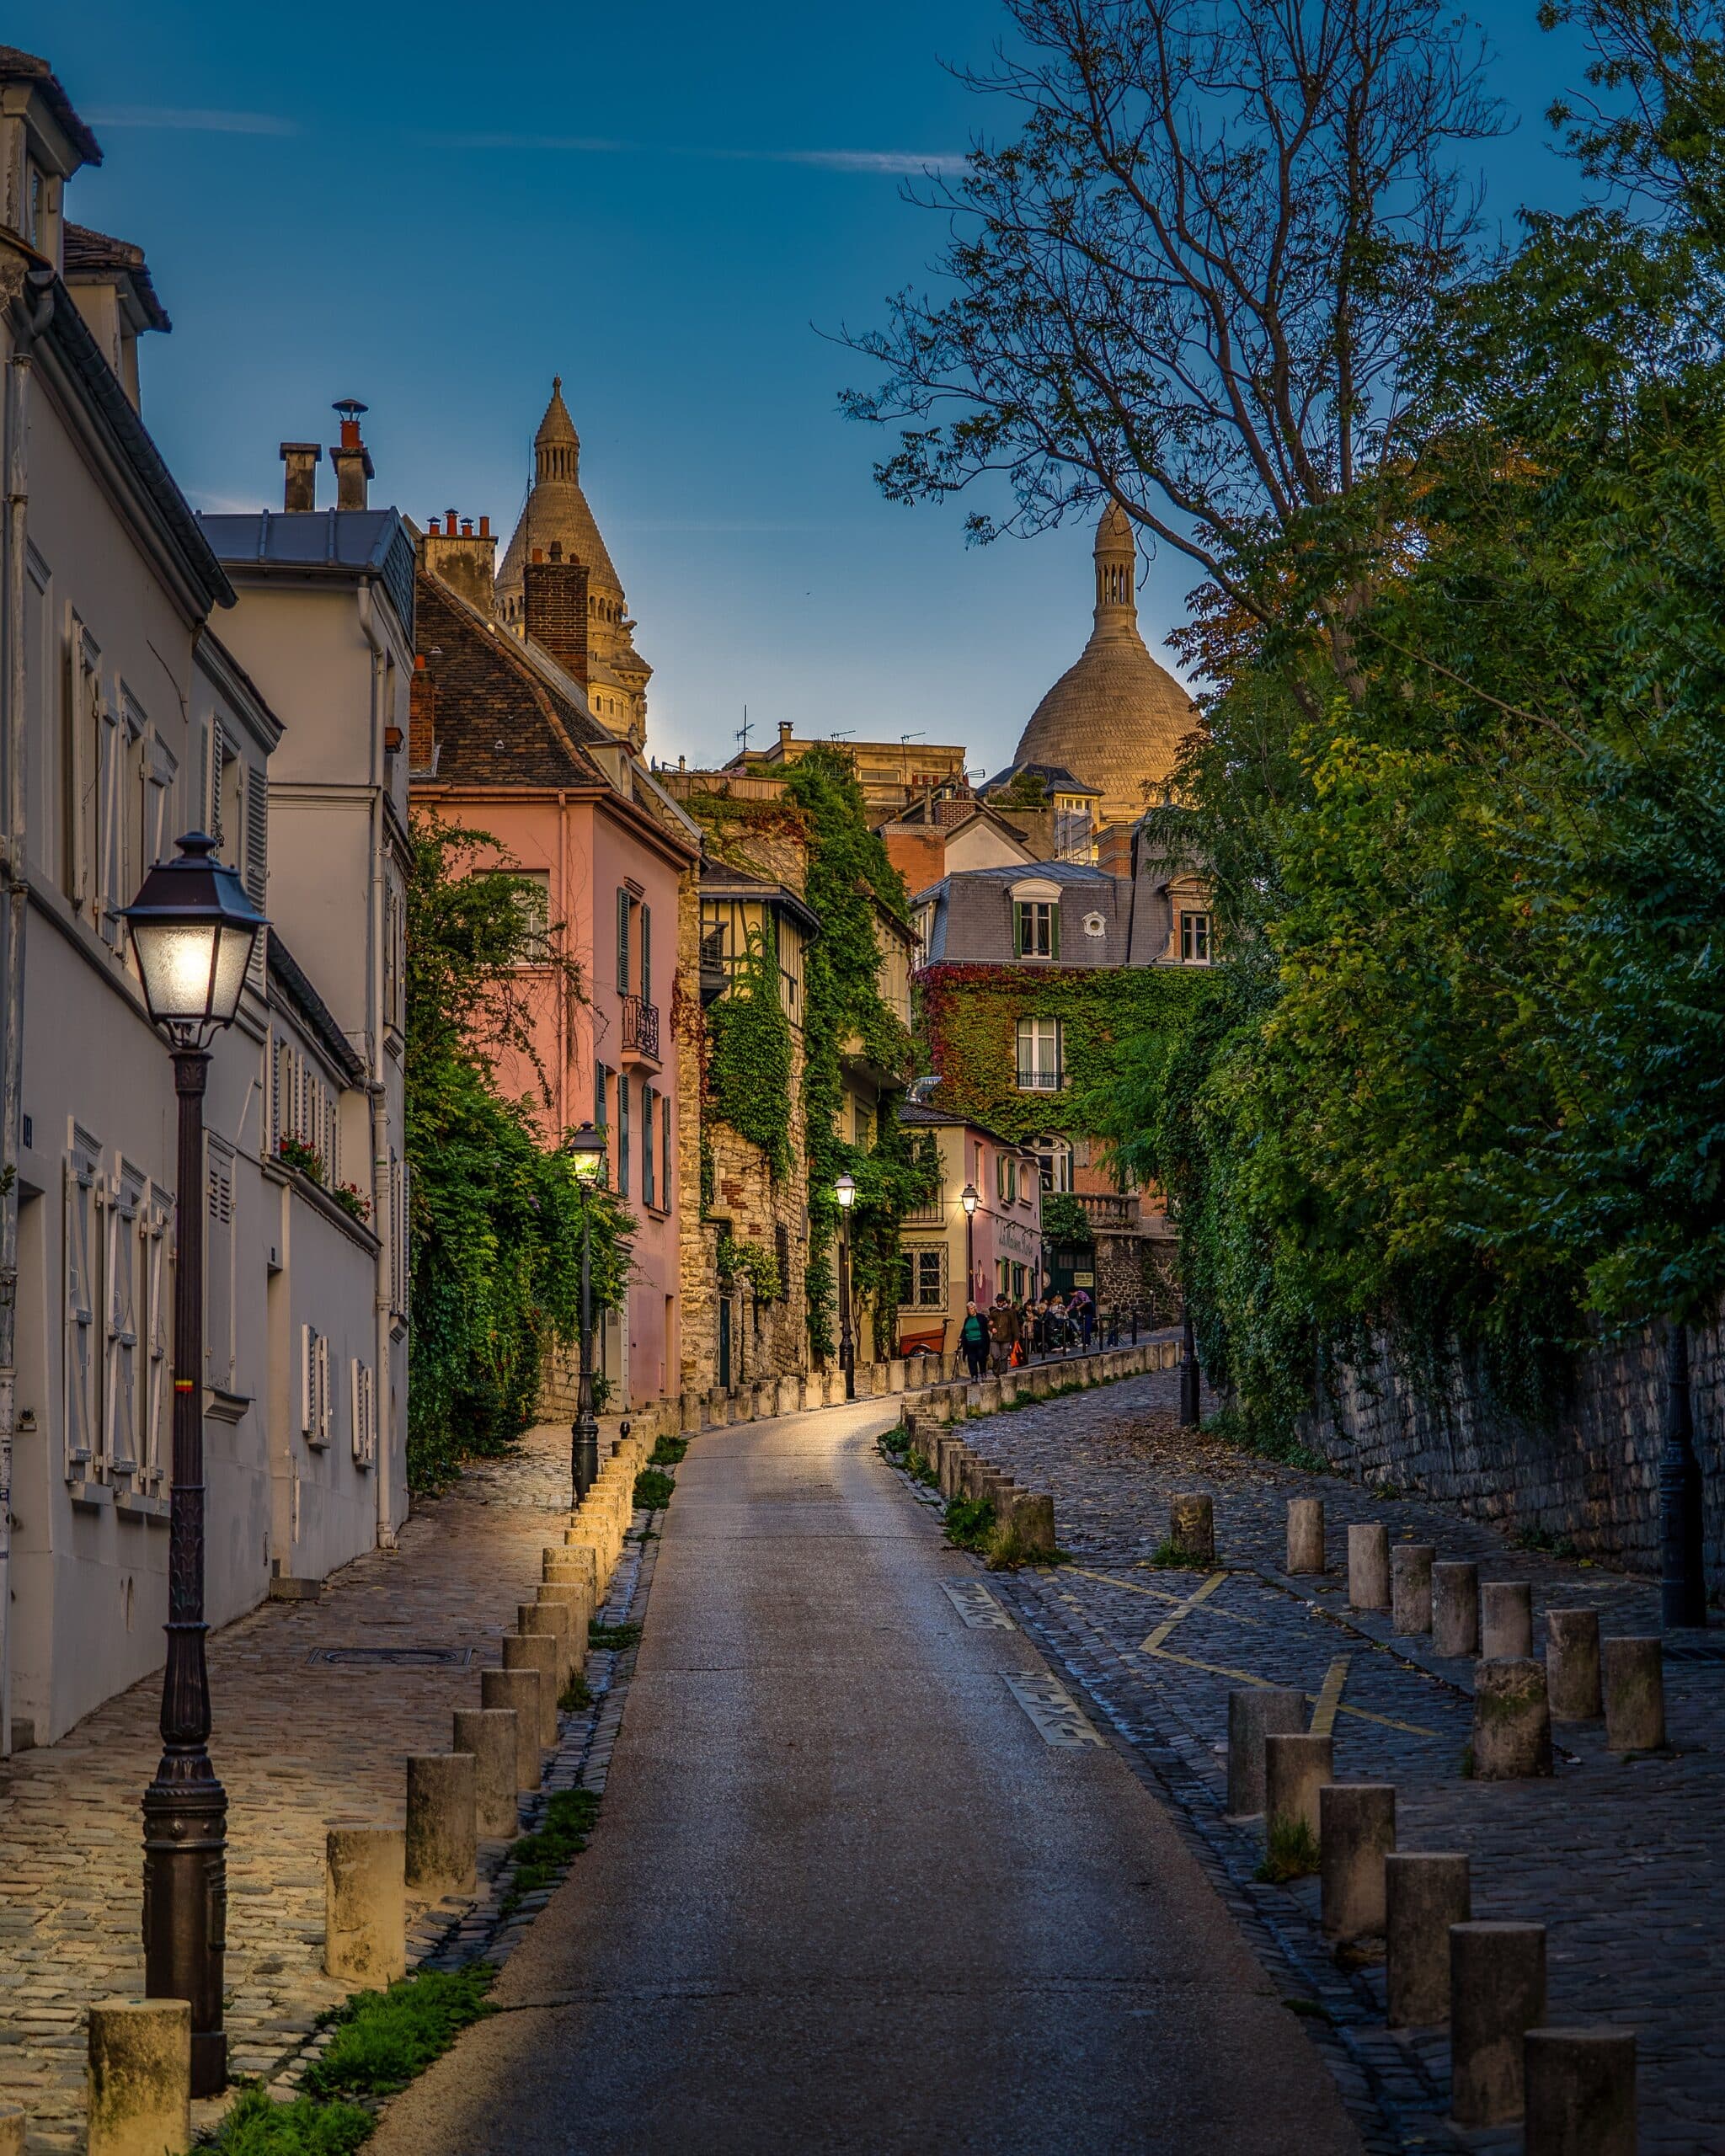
(617,1637)
(969,1523)
(494,1225)
(668,1451)
(653,1489)
(1291,1852)
(576,1697)
(540,1859)
(383,2039)
(749,1053)
(849,882)
(895,1447)
(750,1261)
(1064,1220)
(258,2125)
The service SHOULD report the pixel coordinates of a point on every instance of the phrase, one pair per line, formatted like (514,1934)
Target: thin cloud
(868,161)
(193,120)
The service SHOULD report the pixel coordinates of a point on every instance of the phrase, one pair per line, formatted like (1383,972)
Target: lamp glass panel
(175,960)
(233,954)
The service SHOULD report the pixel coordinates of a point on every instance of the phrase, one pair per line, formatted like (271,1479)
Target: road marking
(978,1608)
(1269,1685)
(1156,1593)
(1057,1715)
(1323,1719)
(1190,1603)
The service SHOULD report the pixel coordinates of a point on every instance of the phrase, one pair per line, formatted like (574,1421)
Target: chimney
(464,559)
(299,487)
(352,458)
(422,711)
(785,730)
(555,594)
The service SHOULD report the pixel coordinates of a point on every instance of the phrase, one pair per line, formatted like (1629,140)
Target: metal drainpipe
(12,917)
(381,1212)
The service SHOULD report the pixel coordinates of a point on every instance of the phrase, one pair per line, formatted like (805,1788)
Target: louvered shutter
(257,861)
(82,1230)
(623,942)
(646,954)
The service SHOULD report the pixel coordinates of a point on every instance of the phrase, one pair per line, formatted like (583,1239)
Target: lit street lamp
(970,1197)
(588,1157)
(845,1190)
(193,933)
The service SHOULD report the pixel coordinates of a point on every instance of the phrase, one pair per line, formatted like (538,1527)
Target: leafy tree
(494,1223)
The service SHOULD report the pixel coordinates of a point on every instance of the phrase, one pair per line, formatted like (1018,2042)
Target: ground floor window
(924,1286)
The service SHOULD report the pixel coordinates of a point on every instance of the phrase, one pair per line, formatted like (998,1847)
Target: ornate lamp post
(970,1197)
(589,1158)
(845,1190)
(1683,1581)
(193,933)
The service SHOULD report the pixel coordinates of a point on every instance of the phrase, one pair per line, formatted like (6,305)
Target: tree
(1190,282)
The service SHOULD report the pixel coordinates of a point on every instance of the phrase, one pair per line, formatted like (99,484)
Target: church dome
(557,509)
(1116,719)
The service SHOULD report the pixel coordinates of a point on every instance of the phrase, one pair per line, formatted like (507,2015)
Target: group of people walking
(1007,1333)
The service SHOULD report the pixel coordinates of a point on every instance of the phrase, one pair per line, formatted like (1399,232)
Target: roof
(362,542)
(1021,871)
(920,1116)
(20,66)
(314,1013)
(1055,777)
(93,254)
(68,335)
(719,880)
(556,508)
(500,717)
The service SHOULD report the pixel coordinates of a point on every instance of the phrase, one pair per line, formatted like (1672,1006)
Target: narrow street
(847,1894)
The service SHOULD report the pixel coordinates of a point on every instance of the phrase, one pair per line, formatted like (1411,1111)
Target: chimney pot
(449,523)
(352,458)
(538,553)
(556,550)
(299,488)
(485,527)
(467,527)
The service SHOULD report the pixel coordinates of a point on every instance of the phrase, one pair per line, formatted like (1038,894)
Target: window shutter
(646,1144)
(601,1117)
(1054,929)
(82,1229)
(623,942)
(218,1264)
(1021,928)
(123,1235)
(157,1303)
(646,954)
(257,860)
(666,1186)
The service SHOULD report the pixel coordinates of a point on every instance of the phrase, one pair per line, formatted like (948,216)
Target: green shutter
(623,942)
(1021,928)
(646,954)
(1054,929)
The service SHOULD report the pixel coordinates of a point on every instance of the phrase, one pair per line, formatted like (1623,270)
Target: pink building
(953,1255)
(503,741)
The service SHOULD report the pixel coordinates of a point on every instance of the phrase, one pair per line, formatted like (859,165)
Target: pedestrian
(974,1339)
(1082,1309)
(1002,1331)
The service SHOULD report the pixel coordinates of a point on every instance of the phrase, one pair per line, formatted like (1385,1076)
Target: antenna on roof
(743,731)
(843,733)
(905,739)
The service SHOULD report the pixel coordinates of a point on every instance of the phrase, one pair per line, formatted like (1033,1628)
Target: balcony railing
(640,1027)
(1104,1209)
(931,1214)
(1039,1081)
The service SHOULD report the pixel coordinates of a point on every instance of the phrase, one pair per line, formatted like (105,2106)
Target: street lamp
(193,933)
(845,1190)
(589,1158)
(970,1197)
(1683,1582)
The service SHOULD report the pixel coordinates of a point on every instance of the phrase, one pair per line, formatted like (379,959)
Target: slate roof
(90,253)
(1055,777)
(499,719)
(920,1116)
(17,65)
(314,1012)
(362,542)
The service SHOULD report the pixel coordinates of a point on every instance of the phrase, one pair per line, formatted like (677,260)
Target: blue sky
(387,203)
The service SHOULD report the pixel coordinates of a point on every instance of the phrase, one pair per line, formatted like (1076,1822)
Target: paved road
(844,1896)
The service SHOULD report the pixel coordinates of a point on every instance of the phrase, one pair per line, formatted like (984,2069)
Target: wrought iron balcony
(640,1028)
(1043,1079)
(931,1214)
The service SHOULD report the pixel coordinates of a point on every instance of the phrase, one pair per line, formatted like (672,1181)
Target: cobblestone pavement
(1622,1859)
(299,1742)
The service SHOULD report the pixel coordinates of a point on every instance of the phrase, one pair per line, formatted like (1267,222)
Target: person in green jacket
(973,1338)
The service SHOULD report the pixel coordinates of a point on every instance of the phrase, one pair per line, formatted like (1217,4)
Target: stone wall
(1592,1475)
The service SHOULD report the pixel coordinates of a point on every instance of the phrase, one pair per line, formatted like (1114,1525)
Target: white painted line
(979,1608)
(1058,1717)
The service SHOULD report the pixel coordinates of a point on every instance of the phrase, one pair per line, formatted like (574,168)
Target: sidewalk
(298,1741)
(1622,1860)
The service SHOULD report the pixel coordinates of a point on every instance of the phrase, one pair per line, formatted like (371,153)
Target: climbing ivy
(749,1053)
(750,1261)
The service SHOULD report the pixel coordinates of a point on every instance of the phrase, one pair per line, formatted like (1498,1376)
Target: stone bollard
(1505,1621)
(1572,1665)
(441,1823)
(517,1690)
(365,1905)
(1369,1567)
(1254,1713)
(1580,2092)
(1425,1893)
(1411,1587)
(1512,1723)
(1455,1608)
(577,1599)
(488,1735)
(1497,1994)
(1635,1694)
(1356,1831)
(576,1561)
(551,1618)
(12,2125)
(140,2077)
(1306,1535)
(1296,1768)
(537,1650)
(1191,1526)
(1033,1522)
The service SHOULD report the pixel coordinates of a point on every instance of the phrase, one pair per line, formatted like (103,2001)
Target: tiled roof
(20,66)
(89,254)
(498,719)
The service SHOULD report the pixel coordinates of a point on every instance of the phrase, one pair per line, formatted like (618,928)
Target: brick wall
(1593,1475)
(554,596)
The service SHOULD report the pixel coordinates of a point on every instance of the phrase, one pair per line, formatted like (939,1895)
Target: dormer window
(1036,919)
(1194,939)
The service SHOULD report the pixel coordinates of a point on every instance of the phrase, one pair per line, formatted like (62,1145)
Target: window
(124,1205)
(1055,1162)
(83,1252)
(1039,1061)
(157,1284)
(1038,924)
(532,896)
(314,1385)
(1194,939)
(646,954)
(647,1196)
(365,1416)
(622,940)
(925,1277)
(1005,1177)
(666,1185)
(623,1132)
(1094,925)
(83,746)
